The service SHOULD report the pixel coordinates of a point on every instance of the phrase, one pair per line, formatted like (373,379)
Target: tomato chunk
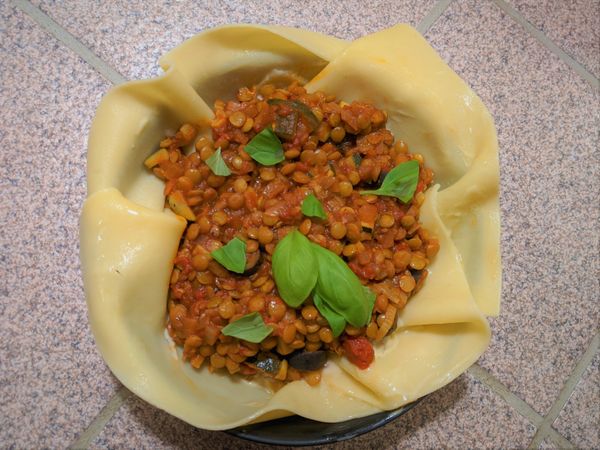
(359,351)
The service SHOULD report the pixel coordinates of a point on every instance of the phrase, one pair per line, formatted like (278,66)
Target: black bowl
(299,431)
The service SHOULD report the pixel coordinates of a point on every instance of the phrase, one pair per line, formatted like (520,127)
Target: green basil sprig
(294,268)
(401,182)
(265,148)
(312,207)
(301,267)
(336,321)
(217,164)
(341,289)
(250,327)
(232,256)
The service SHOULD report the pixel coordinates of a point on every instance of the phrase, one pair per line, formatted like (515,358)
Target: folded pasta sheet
(128,239)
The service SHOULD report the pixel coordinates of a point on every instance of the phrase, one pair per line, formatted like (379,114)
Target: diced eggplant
(347,144)
(307,361)
(416,274)
(267,362)
(285,126)
(253,262)
(298,107)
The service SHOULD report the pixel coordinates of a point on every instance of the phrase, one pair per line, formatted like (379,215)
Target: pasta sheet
(128,239)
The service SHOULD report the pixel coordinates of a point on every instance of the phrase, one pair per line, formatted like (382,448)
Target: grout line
(519,405)
(558,439)
(566,391)
(544,40)
(95,427)
(433,15)
(70,41)
(500,389)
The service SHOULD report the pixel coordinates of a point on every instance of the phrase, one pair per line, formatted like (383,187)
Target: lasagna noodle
(128,241)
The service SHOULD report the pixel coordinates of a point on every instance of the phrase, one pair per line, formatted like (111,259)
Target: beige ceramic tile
(52,381)
(465,414)
(579,420)
(547,121)
(132,35)
(573,25)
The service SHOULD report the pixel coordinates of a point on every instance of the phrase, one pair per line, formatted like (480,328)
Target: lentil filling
(330,149)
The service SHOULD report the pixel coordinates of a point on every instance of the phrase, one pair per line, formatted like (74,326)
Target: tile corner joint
(546,428)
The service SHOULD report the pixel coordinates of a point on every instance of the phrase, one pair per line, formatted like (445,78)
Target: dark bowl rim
(379,419)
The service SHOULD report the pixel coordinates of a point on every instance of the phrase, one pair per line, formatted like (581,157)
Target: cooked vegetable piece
(359,351)
(368,215)
(265,148)
(156,158)
(253,263)
(307,361)
(312,207)
(232,256)
(401,182)
(335,320)
(217,164)
(179,206)
(341,289)
(285,126)
(294,268)
(250,327)
(268,362)
(299,107)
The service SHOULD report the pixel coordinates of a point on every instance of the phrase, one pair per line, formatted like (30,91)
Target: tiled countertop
(535,64)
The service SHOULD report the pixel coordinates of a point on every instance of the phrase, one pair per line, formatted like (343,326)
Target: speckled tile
(132,35)
(464,414)
(548,444)
(52,380)
(573,25)
(579,420)
(547,120)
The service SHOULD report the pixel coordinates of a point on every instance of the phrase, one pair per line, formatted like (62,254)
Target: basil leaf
(370,296)
(336,322)
(341,289)
(312,207)
(250,327)
(217,164)
(265,148)
(401,182)
(294,268)
(232,256)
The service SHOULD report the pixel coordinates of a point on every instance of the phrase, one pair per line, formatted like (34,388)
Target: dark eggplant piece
(377,183)
(285,126)
(382,176)
(307,361)
(357,157)
(416,274)
(267,362)
(331,165)
(298,107)
(253,262)
(347,144)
